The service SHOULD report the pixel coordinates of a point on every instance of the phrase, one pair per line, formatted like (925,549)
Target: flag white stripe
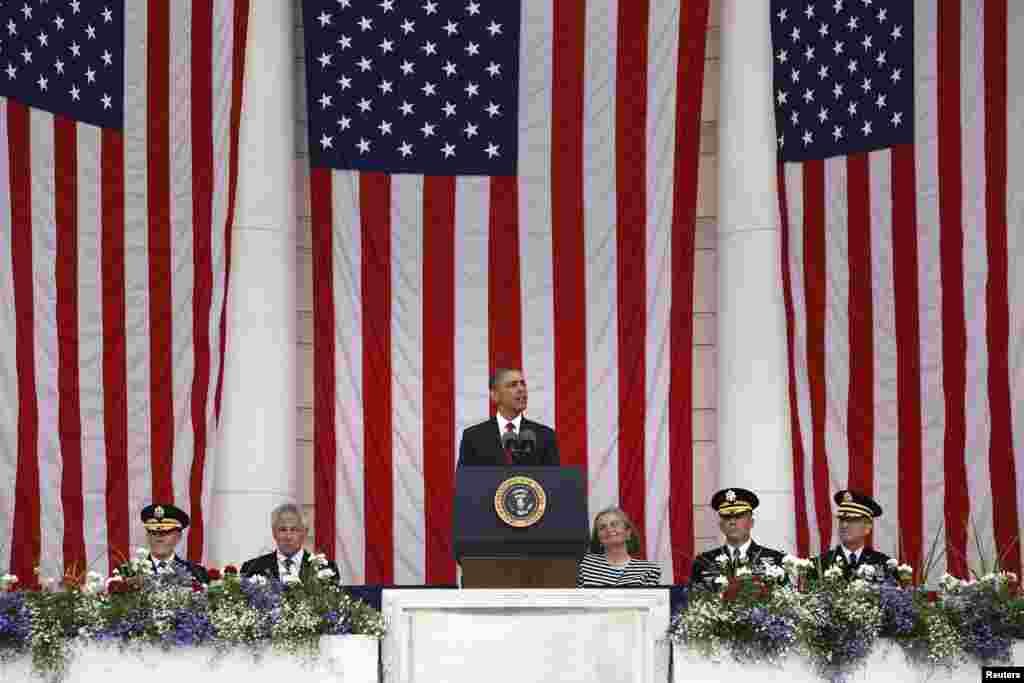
(933,417)
(90,348)
(886,404)
(1015,215)
(535,251)
(663,53)
(350,517)
(182,249)
(600,275)
(44,252)
(136,271)
(472,361)
(978,418)
(8,349)
(837,330)
(408,410)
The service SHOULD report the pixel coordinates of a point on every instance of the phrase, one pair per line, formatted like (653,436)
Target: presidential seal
(520,501)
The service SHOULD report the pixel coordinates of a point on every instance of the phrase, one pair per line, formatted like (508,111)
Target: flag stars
(90,75)
(448,150)
(44,40)
(324,19)
(783,15)
(12,28)
(384,128)
(363,145)
(324,59)
(794,75)
(866,85)
(364,105)
(794,117)
(365,24)
(42,83)
(838,48)
(782,97)
(473,49)
(345,4)
(406,108)
(852,66)
(853,24)
(837,133)
(59,66)
(345,42)
(107,102)
(429,48)
(897,32)
(451,28)
(27,11)
(75,93)
(823,30)
(429,89)
(430,7)
(897,74)
(808,138)
(822,72)
(867,43)
(76,49)
(808,95)
(897,119)
(881,59)
(472,89)
(470,130)
(823,115)
(108,16)
(405,149)
(26,54)
(385,87)
(783,56)
(809,12)
(407,68)
(345,82)
(387,6)
(880,101)
(493,69)
(866,128)
(12,71)
(58,21)
(809,53)
(494,28)
(408,27)
(449,69)
(795,35)
(427,130)
(473,8)
(493,109)
(345,122)
(107,58)
(882,16)
(837,90)
(365,64)
(449,110)
(325,101)
(492,150)
(90,32)
(852,109)
(75,6)
(387,46)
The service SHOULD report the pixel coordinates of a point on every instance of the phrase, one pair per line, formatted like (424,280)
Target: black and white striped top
(596,570)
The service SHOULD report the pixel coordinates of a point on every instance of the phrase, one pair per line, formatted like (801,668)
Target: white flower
(866,570)
(722,559)
(8,579)
(258,580)
(775,571)
(949,582)
(805,563)
(790,560)
(905,569)
(114,579)
(721,580)
(891,563)
(742,571)
(291,579)
(141,554)
(833,572)
(325,573)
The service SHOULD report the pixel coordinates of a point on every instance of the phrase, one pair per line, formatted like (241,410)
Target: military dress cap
(163,517)
(852,505)
(734,501)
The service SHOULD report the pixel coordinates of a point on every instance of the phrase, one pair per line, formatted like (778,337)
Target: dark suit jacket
(197,571)
(266,565)
(706,568)
(481,445)
(835,555)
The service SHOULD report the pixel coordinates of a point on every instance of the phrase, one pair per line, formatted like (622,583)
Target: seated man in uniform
(735,508)
(164,526)
(289,560)
(855,515)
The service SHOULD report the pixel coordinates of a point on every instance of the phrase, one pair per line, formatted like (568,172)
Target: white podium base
(511,636)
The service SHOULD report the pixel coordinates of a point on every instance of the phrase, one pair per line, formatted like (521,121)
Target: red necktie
(509,429)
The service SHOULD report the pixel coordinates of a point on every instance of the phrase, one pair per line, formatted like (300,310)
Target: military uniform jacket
(706,567)
(836,556)
(266,565)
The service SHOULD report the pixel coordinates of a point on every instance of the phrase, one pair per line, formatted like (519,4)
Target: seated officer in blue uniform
(856,514)
(164,526)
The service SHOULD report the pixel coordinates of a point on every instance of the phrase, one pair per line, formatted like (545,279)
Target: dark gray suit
(481,445)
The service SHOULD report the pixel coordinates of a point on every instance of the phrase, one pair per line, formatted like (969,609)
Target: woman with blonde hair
(614,541)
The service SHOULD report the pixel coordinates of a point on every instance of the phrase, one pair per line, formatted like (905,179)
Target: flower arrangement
(138,606)
(833,620)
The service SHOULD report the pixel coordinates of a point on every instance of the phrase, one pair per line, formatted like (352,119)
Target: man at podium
(508,438)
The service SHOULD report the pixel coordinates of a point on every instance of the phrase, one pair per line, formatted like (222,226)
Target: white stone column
(256,462)
(753,407)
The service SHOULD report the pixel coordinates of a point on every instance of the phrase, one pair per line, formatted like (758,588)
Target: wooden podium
(498,550)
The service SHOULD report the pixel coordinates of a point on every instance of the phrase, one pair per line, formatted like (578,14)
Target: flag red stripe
(567,233)
(439,374)
(815,280)
(240,24)
(202,255)
(631,250)
(1002,464)
(27,535)
(161,408)
(69,417)
(325,439)
(504,319)
(908,353)
(799,484)
(860,422)
(375,215)
(693,21)
(954,326)
(115,372)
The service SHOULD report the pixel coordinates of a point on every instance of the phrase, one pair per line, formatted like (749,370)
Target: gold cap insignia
(730,495)
(847,498)
(158,512)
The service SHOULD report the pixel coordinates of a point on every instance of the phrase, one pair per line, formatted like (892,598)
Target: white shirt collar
(296,562)
(518,420)
(743,549)
(852,555)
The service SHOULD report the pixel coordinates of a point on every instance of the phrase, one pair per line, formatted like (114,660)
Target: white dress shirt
(296,564)
(515,422)
(743,550)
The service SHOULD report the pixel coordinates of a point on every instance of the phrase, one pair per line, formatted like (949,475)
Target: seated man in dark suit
(508,438)
(856,515)
(735,508)
(290,562)
(164,526)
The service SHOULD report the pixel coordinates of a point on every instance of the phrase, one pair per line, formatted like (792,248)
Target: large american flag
(118,123)
(500,183)
(901,204)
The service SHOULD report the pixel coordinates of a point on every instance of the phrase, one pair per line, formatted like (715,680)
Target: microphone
(508,441)
(527,442)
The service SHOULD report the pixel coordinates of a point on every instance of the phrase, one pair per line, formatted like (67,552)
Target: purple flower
(15,624)
(899,615)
